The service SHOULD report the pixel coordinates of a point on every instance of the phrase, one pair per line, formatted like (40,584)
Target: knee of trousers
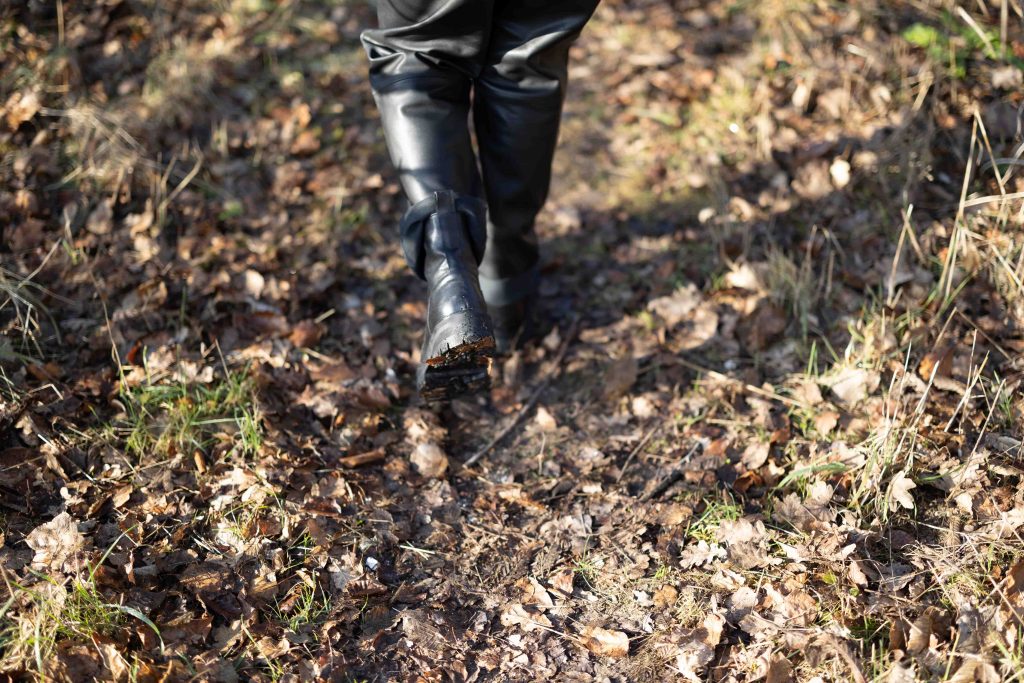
(394,57)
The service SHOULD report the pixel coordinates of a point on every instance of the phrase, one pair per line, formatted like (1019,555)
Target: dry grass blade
(17,293)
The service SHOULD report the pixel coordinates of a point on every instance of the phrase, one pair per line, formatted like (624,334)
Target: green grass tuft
(166,419)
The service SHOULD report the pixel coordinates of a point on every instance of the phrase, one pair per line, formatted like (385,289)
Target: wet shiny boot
(443,236)
(431,62)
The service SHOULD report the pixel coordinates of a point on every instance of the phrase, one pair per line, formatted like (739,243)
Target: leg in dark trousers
(426,58)
(423,59)
(517,107)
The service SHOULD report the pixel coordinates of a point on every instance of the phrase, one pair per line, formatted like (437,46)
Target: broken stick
(553,371)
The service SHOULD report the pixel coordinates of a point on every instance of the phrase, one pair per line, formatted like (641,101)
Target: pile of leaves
(772,428)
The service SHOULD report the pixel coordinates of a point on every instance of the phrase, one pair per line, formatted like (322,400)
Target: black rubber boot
(511,302)
(443,236)
(428,60)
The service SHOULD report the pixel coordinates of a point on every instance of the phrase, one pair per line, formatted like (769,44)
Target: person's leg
(517,107)
(423,58)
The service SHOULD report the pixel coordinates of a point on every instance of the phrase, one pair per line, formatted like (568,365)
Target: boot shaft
(444,237)
(450,265)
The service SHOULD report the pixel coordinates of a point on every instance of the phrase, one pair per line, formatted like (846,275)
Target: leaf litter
(773,431)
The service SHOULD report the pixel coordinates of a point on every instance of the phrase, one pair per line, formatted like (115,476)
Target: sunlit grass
(165,419)
(309,608)
(37,616)
(705,528)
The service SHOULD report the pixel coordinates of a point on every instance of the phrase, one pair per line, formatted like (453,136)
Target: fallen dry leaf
(115,662)
(696,649)
(936,363)
(840,172)
(271,649)
(260,324)
(205,577)
(423,426)
(605,643)
(825,422)
(755,455)
(429,460)
(851,384)
(779,671)
(857,572)
(931,625)
(58,545)
(899,490)
(122,495)
(253,283)
(744,276)
(619,377)
(976,671)
(100,221)
(763,327)
(545,420)
(306,334)
(1007,523)
(367,458)
(332,374)
(807,391)
(561,582)
(700,329)
(740,530)
(517,614)
(676,307)
(534,593)
(21,107)
(905,672)
(700,553)
(665,597)
(643,407)
(1015,585)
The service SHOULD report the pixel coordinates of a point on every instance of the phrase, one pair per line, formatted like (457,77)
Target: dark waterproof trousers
(434,61)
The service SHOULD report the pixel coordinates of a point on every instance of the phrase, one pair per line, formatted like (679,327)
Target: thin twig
(843,650)
(714,374)
(987,338)
(978,201)
(674,474)
(553,371)
(636,449)
(946,279)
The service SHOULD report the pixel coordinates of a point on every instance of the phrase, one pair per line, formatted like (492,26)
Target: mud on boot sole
(460,370)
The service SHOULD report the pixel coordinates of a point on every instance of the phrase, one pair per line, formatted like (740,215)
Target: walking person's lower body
(469,230)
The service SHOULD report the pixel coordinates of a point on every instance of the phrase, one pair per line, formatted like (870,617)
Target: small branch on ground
(553,371)
(671,477)
(749,388)
(636,449)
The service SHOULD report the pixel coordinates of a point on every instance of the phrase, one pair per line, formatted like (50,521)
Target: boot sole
(464,367)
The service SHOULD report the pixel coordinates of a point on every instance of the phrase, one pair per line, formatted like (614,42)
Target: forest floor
(772,430)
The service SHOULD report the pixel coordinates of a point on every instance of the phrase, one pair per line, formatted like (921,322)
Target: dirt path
(772,430)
